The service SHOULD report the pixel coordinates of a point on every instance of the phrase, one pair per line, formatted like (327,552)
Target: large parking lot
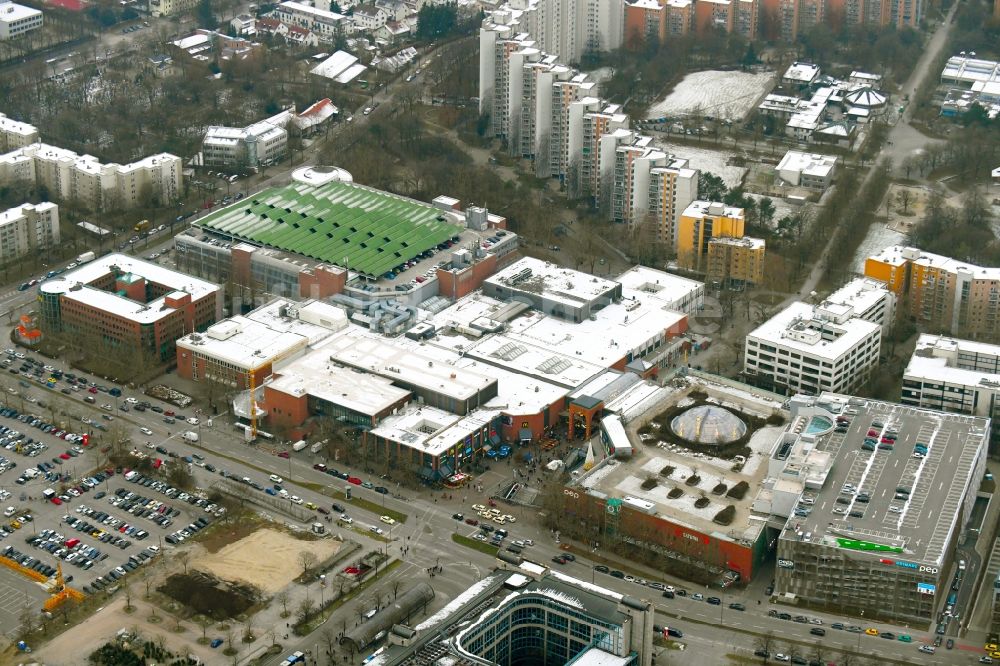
(16,592)
(63,508)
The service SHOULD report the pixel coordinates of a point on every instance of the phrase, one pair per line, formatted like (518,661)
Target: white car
(387,520)
(131,401)
(376,530)
(9,511)
(478,507)
(296,499)
(344,518)
(145,431)
(193,421)
(275,478)
(782,657)
(367,110)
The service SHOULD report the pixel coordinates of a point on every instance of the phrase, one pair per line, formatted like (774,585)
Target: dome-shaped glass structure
(708,424)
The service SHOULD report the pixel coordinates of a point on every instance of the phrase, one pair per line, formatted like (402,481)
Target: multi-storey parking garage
(878,538)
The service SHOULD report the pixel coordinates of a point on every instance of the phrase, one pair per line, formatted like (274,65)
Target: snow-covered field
(879,237)
(704,159)
(725,95)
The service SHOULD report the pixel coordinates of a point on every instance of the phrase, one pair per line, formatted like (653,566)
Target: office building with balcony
(810,349)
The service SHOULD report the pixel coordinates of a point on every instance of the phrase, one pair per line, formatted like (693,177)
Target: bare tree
(904,197)
(765,644)
(28,619)
(282,598)
(308,560)
(128,598)
(306,608)
(329,637)
(818,652)
(395,588)
(183,557)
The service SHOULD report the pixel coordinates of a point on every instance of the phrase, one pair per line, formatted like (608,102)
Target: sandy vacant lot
(267,558)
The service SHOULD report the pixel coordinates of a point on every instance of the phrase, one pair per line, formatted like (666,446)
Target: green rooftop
(855,544)
(344,224)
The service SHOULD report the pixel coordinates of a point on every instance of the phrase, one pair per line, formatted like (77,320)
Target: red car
(355,480)
(887,440)
(873,433)
(282,454)
(472,521)
(64,456)
(320,466)
(169,413)
(92,389)
(55,500)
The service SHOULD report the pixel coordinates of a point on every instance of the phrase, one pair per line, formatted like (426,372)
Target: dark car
(382,490)
(614,573)
(950,643)
(739,607)
(668,594)
(338,507)
(888,635)
(559,559)
(715,601)
(457,516)
(569,557)
(818,631)
(600,568)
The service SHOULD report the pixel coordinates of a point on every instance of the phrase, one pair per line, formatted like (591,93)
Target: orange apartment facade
(939,293)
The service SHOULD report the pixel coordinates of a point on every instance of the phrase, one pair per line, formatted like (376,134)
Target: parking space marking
(16,592)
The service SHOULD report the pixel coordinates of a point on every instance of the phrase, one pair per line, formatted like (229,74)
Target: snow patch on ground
(725,95)
(456,603)
(705,159)
(878,238)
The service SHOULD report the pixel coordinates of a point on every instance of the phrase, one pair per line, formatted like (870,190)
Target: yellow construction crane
(61,593)
(252,382)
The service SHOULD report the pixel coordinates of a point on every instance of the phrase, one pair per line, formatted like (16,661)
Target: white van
(190,436)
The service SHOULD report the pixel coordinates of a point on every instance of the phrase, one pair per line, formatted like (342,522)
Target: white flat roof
(803,72)
(924,364)
(969,70)
(859,293)
(358,347)
(357,391)
(553,282)
(11,126)
(334,65)
(661,286)
(570,353)
(298,7)
(778,329)
(812,164)
(17,212)
(191,41)
(247,344)
(10,12)
(350,73)
(432,430)
(72,285)
(699,209)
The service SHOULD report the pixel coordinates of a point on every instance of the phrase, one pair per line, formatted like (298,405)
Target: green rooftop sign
(344,224)
(854,544)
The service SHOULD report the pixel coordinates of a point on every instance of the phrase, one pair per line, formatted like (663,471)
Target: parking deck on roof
(345,224)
